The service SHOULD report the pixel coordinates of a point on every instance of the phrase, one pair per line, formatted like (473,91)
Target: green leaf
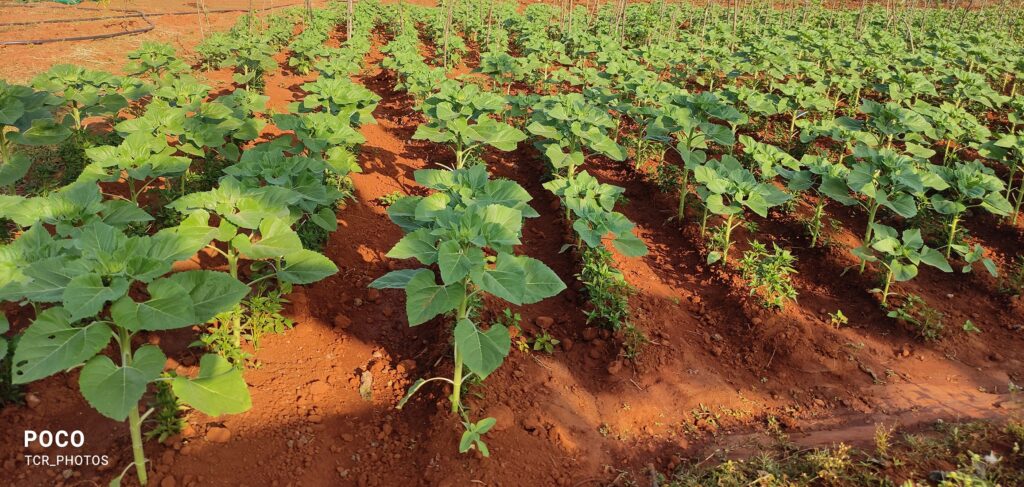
(114,390)
(418,244)
(456,262)
(630,245)
(52,344)
(409,393)
(86,294)
(170,306)
(123,212)
(218,389)
(520,279)
(426,299)
(305,267)
(212,292)
(903,272)
(326,219)
(44,131)
(935,259)
(276,239)
(394,279)
(482,351)
(15,168)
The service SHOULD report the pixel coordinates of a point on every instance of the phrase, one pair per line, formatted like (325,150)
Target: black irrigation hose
(131,14)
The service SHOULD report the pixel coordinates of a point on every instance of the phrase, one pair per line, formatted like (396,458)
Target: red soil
(717,368)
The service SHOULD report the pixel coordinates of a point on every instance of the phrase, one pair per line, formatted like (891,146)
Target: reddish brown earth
(717,368)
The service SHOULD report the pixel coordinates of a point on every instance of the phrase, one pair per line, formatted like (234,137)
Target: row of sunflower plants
(94,261)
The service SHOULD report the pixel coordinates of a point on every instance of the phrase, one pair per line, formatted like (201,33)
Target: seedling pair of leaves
(460,115)
(469,228)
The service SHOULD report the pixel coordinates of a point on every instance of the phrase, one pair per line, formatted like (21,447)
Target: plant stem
(457,379)
(1016,204)
(867,233)
(888,282)
(952,234)
(134,421)
(727,239)
(683,190)
(704,222)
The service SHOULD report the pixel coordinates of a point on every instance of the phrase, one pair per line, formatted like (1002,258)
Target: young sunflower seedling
(900,255)
(468,227)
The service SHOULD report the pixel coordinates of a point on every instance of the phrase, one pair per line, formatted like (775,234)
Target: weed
(607,289)
(767,274)
(166,417)
(633,341)
(970,327)
(390,198)
(545,342)
(926,320)
(10,393)
(838,319)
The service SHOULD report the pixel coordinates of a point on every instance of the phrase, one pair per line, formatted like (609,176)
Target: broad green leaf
(218,389)
(935,259)
(53,343)
(305,267)
(114,390)
(394,279)
(456,261)
(169,307)
(86,294)
(520,280)
(482,351)
(212,292)
(630,245)
(426,299)
(418,244)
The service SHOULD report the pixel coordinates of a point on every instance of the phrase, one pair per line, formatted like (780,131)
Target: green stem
(728,239)
(457,379)
(134,420)
(684,187)
(1016,204)
(232,261)
(888,283)
(704,222)
(131,191)
(867,233)
(952,234)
